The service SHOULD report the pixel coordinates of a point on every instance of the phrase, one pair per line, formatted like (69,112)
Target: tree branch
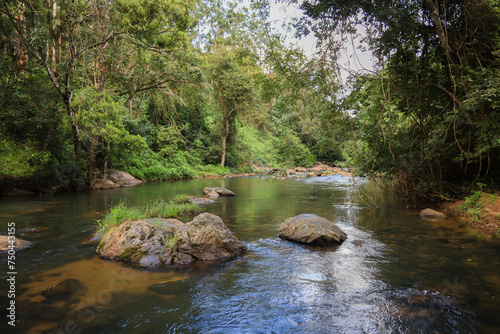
(155,86)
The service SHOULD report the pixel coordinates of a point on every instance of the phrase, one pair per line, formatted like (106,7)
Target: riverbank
(117,179)
(480,211)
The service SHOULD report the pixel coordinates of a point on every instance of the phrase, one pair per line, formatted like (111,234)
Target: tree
(68,39)
(232,90)
(433,57)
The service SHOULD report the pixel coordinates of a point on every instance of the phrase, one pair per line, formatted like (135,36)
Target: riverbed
(396,273)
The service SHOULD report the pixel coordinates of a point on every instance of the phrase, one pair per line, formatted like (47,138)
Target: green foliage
(179,199)
(428,115)
(475,203)
(230,72)
(154,209)
(171,241)
(292,152)
(212,170)
(20,161)
(261,146)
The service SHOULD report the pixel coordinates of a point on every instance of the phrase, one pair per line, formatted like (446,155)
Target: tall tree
(69,39)
(232,88)
(434,56)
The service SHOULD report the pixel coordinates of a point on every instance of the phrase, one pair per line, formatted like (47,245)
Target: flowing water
(396,273)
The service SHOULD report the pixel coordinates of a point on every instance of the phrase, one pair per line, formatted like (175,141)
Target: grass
(170,241)
(154,209)
(180,199)
(474,204)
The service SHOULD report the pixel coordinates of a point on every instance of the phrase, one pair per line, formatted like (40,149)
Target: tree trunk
(106,159)
(100,61)
(224,143)
(443,38)
(93,147)
(76,137)
(223,159)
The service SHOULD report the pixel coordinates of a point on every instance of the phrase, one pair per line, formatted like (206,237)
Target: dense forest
(172,89)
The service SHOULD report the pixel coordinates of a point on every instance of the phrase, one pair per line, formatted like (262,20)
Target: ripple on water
(284,287)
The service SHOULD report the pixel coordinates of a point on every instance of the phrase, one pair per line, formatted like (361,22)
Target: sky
(353,59)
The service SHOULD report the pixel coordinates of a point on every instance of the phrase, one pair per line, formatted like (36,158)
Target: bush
(20,161)
(291,151)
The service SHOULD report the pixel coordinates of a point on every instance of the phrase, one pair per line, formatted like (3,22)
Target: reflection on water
(395,273)
(97,284)
(303,290)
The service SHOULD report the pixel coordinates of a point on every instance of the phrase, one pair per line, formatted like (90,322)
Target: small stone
(20,244)
(432,214)
(197,200)
(358,243)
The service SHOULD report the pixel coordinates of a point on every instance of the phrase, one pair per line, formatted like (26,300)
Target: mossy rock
(170,242)
(132,254)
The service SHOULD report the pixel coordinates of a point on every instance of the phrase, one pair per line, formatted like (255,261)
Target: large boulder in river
(208,238)
(311,229)
(217,191)
(122,178)
(114,179)
(19,244)
(169,241)
(133,240)
(432,214)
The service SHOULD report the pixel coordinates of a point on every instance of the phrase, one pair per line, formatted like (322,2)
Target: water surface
(396,273)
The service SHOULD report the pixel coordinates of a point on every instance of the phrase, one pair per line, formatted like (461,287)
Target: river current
(396,273)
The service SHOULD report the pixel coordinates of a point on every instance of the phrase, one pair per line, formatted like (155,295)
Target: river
(396,273)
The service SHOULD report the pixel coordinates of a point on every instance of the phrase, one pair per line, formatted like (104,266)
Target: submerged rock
(20,244)
(311,229)
(63,289)
(217,191)
(42,310)
(169,241)
(432,214)
(198,200)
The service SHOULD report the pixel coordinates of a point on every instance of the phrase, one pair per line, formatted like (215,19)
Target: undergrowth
(475,203)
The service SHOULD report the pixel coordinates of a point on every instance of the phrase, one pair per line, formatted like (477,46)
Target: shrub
(20,160)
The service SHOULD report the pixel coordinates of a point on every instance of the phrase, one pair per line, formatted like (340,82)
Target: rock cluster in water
(311,229)
(155,241)
(217,191)
(169,241)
